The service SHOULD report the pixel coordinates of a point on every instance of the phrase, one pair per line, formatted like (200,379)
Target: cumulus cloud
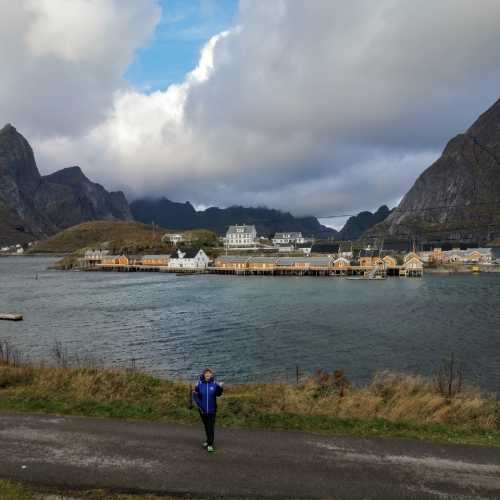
(63,61)
(315,107)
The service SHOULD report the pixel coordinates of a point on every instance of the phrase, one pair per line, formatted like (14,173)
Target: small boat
(11,317)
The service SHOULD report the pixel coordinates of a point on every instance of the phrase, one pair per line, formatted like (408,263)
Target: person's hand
(221,383)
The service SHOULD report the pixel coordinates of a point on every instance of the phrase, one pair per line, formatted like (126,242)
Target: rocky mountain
(35,206)
(358,224)
(458,197)
(183,216)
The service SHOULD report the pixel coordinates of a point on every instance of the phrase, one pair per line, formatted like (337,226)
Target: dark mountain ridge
(358,224)
(184,216)
(33,206)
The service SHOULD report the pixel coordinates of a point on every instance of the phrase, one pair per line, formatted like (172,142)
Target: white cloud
(62,61)
(310,106)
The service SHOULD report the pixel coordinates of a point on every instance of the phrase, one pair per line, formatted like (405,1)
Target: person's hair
(207,370)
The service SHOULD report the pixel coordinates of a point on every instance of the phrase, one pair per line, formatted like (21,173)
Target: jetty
(11,317)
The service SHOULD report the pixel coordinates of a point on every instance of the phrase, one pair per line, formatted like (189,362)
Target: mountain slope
(458,196)
(357,225)
(183,216)
(34,206)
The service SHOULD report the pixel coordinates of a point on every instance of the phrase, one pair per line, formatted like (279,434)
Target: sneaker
(210,449)
(205,444)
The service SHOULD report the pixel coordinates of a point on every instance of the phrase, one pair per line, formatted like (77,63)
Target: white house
(241,236)
(288,238)
(189,258)
(174,238)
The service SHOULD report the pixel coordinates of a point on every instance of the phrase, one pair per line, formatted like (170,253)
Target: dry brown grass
(390,397)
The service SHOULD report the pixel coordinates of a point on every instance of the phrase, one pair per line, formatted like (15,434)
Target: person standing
(205,396)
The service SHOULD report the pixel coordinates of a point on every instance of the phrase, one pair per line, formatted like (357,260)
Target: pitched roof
(243,229)
(237,259)
(325,248)
(263,260)
(189,253)
(287,236)
(314,261)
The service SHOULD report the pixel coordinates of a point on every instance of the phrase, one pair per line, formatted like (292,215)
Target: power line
(401,210)
(410,233)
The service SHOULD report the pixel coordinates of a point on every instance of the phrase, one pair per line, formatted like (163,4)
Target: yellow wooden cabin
(390,262)
(262,263)
(341,263)
(155,260)
(115,260)
(230,262)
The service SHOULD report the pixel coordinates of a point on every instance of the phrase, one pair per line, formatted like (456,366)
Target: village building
(367,258)
(155,260)
(304,248)
(285,249)
(262,263)
(341,263)
(229,262)
(304,262)
(189,258)
(288,239)
(390,261)
(241,236)
(94,257)
(412,265)
(173,238)
(114,260)
(457,256)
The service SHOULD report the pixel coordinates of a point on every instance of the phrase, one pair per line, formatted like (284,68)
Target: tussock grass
(391,405)
(12,491)
(15,491)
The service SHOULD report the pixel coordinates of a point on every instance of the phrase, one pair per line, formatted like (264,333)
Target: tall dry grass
(389,396)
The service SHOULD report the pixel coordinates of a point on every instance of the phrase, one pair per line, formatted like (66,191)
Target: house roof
(264,260)
(368,253)
(152,257)
(328,248)
(237,259)
(243,229)
(189,252)
(315,261)
(287,235)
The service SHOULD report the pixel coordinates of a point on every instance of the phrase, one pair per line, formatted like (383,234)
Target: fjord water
(255,328)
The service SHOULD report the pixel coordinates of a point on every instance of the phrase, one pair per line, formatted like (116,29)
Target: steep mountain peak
(68,176)
(358,224)
(458,196)
(35,206)
(8,129)
(17,160)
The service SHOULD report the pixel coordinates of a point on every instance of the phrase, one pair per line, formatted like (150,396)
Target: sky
(317,108)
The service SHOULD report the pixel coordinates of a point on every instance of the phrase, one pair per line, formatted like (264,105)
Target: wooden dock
(11,317)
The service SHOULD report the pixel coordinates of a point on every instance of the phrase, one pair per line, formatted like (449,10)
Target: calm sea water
(255,328)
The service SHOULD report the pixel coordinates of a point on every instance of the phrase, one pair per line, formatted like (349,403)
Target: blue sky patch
(185,26)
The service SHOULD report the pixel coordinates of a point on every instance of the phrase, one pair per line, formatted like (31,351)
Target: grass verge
(16,491)
(393,405)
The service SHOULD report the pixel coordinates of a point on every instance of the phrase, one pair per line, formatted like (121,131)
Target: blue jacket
(205,395)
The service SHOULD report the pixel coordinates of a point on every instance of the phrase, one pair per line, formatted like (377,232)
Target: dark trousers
(208,420)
